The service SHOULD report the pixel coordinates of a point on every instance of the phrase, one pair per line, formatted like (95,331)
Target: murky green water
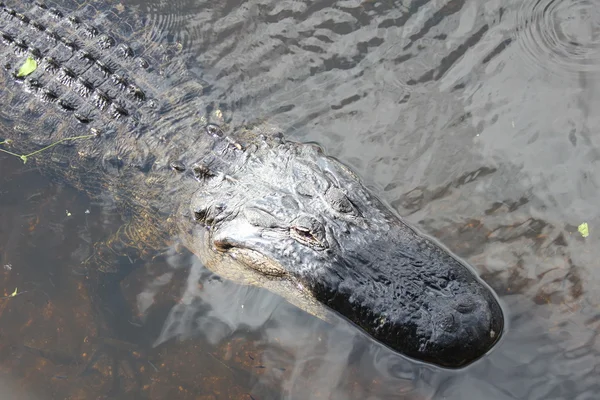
(474,120)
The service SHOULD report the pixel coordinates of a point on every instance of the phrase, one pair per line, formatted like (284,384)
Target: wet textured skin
(256,208)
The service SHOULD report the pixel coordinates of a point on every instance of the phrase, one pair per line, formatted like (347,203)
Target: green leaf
(583,229)
(13,294)
(27,68)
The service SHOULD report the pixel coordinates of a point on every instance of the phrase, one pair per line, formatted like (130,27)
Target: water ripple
(561,36)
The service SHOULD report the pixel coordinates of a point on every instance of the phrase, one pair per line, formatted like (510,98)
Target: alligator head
(301,224)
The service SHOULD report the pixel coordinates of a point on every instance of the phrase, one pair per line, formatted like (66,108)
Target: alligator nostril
(448,323)
(465,305)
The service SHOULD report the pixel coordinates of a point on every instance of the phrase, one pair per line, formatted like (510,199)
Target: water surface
(474,120)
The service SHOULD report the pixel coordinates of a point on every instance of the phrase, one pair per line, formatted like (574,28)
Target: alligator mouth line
(252,259)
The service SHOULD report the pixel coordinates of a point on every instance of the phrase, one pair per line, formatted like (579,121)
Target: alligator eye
(303,234)
(309,231)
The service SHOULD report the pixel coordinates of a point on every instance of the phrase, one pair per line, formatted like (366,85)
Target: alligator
(119,110)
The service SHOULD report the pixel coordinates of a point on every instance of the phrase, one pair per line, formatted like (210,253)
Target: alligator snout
(463,329)
(416,299)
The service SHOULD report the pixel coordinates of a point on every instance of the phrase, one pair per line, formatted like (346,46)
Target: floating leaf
(584,230)
(13,294)
(27,68)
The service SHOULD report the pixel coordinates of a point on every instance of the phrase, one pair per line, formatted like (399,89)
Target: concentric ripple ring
(562,36)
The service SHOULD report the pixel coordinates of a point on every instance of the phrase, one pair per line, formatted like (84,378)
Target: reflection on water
(473,119)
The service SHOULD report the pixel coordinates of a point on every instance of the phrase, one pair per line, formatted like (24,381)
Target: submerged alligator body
(256,208)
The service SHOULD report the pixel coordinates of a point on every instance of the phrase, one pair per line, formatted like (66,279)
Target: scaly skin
(256,208)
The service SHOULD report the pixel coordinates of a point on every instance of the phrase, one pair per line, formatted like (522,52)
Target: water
(475,120)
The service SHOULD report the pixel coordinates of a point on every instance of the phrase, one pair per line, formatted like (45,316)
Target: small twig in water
(24,157)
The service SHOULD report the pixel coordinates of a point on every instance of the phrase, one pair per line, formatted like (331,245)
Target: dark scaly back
(100,71)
